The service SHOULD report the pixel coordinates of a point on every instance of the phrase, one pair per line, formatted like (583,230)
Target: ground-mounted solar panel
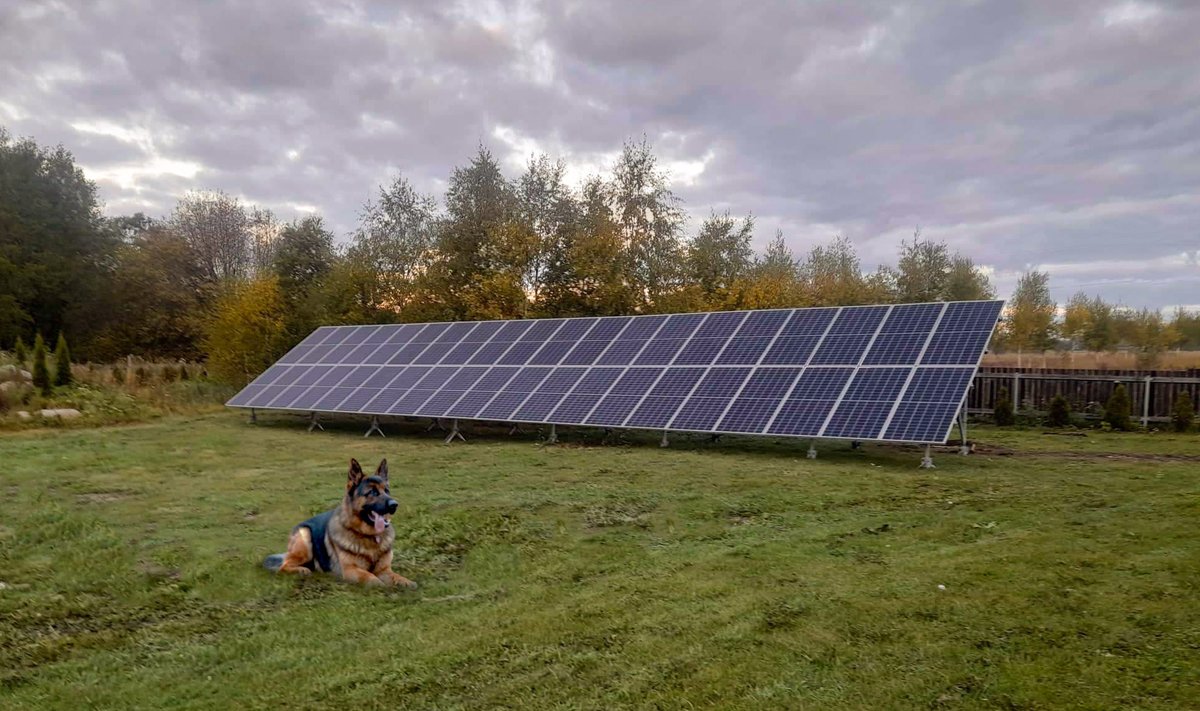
(884,372)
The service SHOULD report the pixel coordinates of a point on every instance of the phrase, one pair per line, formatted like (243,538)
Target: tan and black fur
(353,540)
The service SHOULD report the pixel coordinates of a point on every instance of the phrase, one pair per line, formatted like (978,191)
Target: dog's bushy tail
(274,562)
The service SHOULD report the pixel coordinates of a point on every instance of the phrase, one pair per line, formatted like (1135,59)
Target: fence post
(1016,392)
(1146,401)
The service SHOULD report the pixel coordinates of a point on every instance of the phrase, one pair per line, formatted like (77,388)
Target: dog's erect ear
(381,472)
(355,475)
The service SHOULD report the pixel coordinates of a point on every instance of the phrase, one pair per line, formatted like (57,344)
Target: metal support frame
(454,432)
(665,442)
(314,421)
(515,429)
(553,438)
(812,450)
(927,460)
(253,417)
(714,438)
(375,427)
(963,448)
(856,444)
(435,423)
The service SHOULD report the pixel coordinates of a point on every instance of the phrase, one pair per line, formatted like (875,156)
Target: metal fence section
(1152,393)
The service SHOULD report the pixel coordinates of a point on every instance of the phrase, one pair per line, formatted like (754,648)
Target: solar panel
(885,372)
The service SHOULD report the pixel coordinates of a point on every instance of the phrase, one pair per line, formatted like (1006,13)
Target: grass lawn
(735,575)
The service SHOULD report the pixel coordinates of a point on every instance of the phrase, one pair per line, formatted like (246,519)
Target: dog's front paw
(397,580)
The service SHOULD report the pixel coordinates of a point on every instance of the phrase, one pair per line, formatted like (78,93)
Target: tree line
(228,282)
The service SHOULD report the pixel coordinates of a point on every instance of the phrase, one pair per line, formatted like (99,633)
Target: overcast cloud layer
(1058,135)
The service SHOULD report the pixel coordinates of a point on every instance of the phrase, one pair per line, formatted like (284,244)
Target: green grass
(735,575)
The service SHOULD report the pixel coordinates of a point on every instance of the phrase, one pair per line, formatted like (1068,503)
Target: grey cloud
(1023,133)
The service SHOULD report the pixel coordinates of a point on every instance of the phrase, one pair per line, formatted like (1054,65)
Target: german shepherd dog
(353,540)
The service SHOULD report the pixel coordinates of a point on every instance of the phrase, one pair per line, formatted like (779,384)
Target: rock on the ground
(64,413)
(23,415)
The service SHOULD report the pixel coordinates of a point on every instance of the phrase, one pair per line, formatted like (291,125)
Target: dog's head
(369,499)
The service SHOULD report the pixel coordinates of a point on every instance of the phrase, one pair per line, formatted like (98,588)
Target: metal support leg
(812,450)
(515,429)
(313,421)
(553,438)
(665,442)
(435,424)
(964,448)
(454,432)
(927,460)
(855,444)
(713,438)
(374,427)
(253,417)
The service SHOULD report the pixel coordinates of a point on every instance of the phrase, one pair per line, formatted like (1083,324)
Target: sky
(1062,136)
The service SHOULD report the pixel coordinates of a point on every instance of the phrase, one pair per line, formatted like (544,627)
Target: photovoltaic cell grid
(896,373)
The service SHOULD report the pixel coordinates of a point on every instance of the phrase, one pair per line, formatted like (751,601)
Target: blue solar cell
(821,383)
(465,378)
(512,330)
(383,334)
(748,415)
(654,412)
(332,398)
(527,380)
(272,394)
(808,322)
(299,354)
(743,351)
(721,382)
(621,352)
(700,413)
(607,328)
(720,324)
(790,350)
(700,351)
(636,381)
(573,408)
(495,379)
(357,376)
(912,318)
(538,407)
(643,327)
(677,381)
(489,353)
(382,354)
(858,419)
(483,332)
(585,352)
(311,375)
(551,352)
(436,378)
(561,380)
(434,353)
(386,398)
(357,335)
(430,333)
(409,377)
(316,353)
(461,353)
(970,316)
(770,383)
(404,334)
(359,353)
(316,337)
(763,324)
(270,375)
(921,421)
(896,349)
(456,332)
(573,329)
(613,410)
(292,374)
(680,326)
(337,335)
(945,385)
(406,354)
(410,402)
(380,377)
(858,319)
(955,347)
(841,349)
(801,417)
(243,398)
(437,405)
(332,375)
(358,400)
(338,354)
(660,351)
(879,384)
(306,399)
(597,382)
(469,405)
(520,353)
(542,329)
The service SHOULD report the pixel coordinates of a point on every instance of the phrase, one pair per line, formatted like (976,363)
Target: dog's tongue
(379,521)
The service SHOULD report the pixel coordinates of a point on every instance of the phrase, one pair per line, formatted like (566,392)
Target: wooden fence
(1152,393)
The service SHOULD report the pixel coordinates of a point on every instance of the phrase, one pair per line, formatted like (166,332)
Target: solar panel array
(896,372)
